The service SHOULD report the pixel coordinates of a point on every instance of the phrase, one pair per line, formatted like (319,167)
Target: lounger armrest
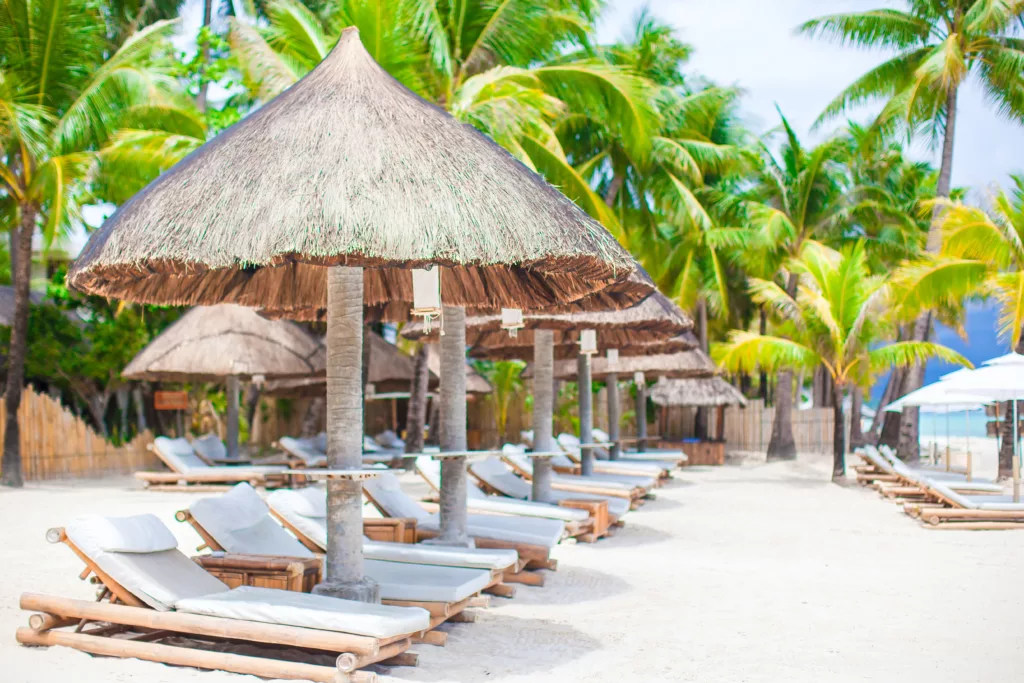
(393,529)
(287,573)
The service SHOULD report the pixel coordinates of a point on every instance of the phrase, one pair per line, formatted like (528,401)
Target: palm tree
(938,45)
(75,126)
(982,255)
(832,318)
(797,198)
(506,69)
(504,377)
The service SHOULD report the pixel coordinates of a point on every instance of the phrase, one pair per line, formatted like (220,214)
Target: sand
(748,572)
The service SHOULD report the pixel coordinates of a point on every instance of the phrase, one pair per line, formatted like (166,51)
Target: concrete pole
(453,429)
(231,389)
(344,562)
(543,411)
(612,386)
(641,416)
(586,413)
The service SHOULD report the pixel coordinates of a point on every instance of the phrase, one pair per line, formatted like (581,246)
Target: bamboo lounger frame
(531,556)
(941,512)
(205,481)
(117,611)
(439,611)
(635,495)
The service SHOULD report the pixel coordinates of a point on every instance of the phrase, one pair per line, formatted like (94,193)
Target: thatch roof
(701,392)
(348,167)
(692,363)
(655,320)
(211,342)
(7,304)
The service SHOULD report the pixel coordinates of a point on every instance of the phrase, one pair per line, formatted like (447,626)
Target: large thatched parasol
(347,170)
(655,325)
(230,343)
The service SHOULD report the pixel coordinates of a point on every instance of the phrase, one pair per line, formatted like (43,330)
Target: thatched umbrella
(656,325)
(324,200)
(703,392)
(230,343)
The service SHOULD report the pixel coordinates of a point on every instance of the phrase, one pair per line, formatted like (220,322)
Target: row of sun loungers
(939,498)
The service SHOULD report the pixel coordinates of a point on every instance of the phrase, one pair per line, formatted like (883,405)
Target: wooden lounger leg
(502,590)
(529,578)
(439,638)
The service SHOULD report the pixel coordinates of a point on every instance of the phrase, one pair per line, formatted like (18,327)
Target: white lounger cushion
(178,454)
(240,522)
(269,606)
(158,578)
(603,481)
(978,502)
(387,491)
(425,582)
(498,476)
(210,447)
(306,510)
(303,449)
(571,444)
(388,439)
(956,482)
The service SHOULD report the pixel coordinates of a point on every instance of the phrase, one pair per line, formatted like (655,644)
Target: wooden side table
(598,509)
(391,529)
(286,573)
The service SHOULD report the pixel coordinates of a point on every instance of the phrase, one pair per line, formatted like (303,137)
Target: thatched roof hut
(656,325)
(210,343)
(348,167)
(692,363)
(697,391)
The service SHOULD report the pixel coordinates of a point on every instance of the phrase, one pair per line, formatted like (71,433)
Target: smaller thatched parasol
(230,343)
(710,392)
(686,364)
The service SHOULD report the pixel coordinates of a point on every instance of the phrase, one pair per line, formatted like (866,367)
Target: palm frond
(746,352)
(905,354)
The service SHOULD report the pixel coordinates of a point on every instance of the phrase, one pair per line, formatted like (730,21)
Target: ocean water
(966,423)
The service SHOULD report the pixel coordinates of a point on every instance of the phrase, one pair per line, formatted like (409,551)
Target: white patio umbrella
(998,381)
(942,399)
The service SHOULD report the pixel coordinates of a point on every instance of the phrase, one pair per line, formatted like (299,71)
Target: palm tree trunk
(21,251)
(612,385)
(641,415)
(231,389)
(838,438)
(140,409)
(856,404)
(543,411)
(1006,427)
(453,430)
(586,402)
(203,84)
(344,562)
(908,446)
(613,188)
(701,418)
(888,396)
(416,418)
(763,378)
(782,445)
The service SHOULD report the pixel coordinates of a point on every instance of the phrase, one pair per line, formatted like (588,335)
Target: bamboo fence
(55,444)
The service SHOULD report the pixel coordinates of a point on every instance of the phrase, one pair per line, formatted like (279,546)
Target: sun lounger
(653,469)
(523,466)
(954,510)
(189,470)
(302,452)
(240,523)
(585,519)
(659,455)
(897,480)
(533,539)
(151,591)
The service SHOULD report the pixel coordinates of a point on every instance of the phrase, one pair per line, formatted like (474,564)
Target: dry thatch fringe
(655,319)
(699,392)
(692,363)
(348,167)
(567,346)
(212,342)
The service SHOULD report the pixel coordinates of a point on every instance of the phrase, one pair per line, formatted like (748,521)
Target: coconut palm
(504,377)
(831,318)
(503,68)
(938,46)
(75,126)
(797,198)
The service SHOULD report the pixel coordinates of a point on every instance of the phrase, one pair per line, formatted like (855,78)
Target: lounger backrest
(370,446)
(563,461)
(430,470)
(320,442)
(141,554)
(527,437)
(305,509)
(878,461)
(499,477)
(600,436)
(568,442)
(210,448)
(388,439)
(952,496)
(240,522)
(519,460)
(178,454)
(888,453)
(303,449)
(387,492)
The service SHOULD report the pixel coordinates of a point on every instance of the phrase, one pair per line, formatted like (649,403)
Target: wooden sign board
(170,400)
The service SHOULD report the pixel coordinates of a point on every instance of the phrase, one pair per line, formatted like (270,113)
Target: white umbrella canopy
(1008,359)
(938,397)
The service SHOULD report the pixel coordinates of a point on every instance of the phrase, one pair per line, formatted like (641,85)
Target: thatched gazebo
(228,343)
(324,200)
(656,325)
(702,392)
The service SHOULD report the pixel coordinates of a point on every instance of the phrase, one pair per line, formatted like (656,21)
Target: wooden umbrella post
(641,412)
(586,402)
(543,411)
(453,429)
(231,389)
(612,384)
(344,576)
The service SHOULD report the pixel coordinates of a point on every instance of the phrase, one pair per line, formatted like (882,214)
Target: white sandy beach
(740,573)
